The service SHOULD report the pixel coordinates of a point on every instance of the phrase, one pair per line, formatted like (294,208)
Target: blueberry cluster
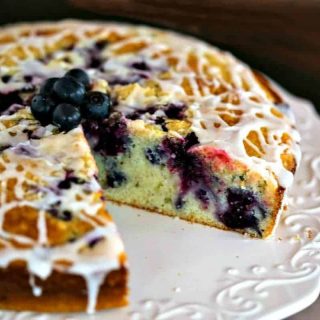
(65,101)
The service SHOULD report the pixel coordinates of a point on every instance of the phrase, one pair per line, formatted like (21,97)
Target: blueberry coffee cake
(143,117)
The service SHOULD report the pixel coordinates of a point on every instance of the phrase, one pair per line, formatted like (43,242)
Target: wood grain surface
(278,37)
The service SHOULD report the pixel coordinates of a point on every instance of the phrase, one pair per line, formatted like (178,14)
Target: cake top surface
(153,74)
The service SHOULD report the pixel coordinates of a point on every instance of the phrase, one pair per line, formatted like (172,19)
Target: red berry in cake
(66,116)
(96,105)
(69,90)
(80,76)
(42,108)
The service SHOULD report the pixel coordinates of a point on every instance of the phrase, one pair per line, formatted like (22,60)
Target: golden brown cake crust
(60,292)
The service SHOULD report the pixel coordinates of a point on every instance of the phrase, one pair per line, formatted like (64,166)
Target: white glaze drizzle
(93,284)
(36,290)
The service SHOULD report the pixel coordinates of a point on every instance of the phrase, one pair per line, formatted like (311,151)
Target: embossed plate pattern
(182,271)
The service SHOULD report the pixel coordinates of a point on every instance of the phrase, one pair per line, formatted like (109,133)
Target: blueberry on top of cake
(175,125)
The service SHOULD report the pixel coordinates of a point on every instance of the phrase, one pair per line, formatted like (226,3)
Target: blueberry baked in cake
(145,117)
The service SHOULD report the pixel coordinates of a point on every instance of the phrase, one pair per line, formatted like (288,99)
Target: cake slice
(59,249)
(193,133)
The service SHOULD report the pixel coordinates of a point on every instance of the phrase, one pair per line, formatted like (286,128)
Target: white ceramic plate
(187,271)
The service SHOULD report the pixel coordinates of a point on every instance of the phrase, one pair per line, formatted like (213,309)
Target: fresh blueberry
(47,88)
(66,116)
(80,76)
(69,90)
(42,108)
(96,105)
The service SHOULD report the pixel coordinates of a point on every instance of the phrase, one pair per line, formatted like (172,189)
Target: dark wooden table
(278,37)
